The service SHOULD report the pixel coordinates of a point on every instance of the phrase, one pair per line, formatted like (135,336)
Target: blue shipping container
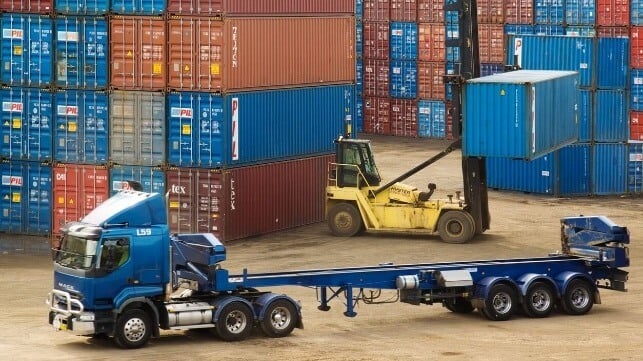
(609,168)
(359,77)
(81,126)
(635,168)
(81,52)
(562,173)
(404,41)
(487,69)
(613,62)
(555,53)
(520,114)
(359,39)
(585,114)
(636,90)
(580,12)
(636,12)
(26,123)
(27,58)
(359,115)
(579,30)
(25,197)
(359,9)
(403,79)
(519,29)
(431,119)
(82,7)
(548,12)
(210,130)
(151,178)
(611,117)
(549,30)
(138,7)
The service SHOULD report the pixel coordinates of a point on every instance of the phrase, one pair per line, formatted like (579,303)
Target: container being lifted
(120,273)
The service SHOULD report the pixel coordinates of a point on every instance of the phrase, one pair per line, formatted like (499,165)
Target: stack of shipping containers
(231,107)
(403,56)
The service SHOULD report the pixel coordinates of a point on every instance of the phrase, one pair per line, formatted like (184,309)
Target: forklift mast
(474,171)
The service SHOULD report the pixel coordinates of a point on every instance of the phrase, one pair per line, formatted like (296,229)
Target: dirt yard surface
(522,225)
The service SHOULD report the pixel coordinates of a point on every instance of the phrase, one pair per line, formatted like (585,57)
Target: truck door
(115,269)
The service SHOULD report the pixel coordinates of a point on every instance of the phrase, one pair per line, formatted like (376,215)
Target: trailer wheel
(459,305)
(280,319)
(578,298)
(344,220)
(235,322)
(456,227)
(539,300)
(133,329)
(500,304)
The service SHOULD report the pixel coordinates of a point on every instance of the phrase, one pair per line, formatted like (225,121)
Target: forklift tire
(456,227)
(344,220)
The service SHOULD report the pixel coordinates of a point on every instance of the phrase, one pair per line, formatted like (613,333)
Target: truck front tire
(133,329)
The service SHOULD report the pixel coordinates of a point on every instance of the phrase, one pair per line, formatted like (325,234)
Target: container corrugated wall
(537,114)
(225,202)
(151,178)
(26,123)
(220,55)
(609,171)
(209,130)
(612,63)
(261,7)
(27,6)
(138,7)
(82,7)
(81,126)
(404,41)
(377,10)
(26,51)
(613,12)
(77,189)
(610,116)
(25,197)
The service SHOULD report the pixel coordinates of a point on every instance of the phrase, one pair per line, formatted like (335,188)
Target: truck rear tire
(133,329)
(344,220)
(500,303)
(578,298)
(539,300)
(456,227)
(235,322)
(280,319)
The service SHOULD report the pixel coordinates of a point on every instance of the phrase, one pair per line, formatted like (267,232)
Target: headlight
(86,316)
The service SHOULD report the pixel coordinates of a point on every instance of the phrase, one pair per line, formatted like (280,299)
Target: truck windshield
(76,252)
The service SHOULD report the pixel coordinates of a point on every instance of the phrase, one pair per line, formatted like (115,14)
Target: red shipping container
(491,11)
(232,54)
(376,10)
(376,77)
(430,11)
(248,201)
(27,6)
(431,80)
(404,10)
(137,52)
(636,126)
(613,12)
(376,113)
(404,117)
(259,7)
(492,45)
(613,32)
(77,189)
(519,11)
(431,42)
(375,37)
(636,47)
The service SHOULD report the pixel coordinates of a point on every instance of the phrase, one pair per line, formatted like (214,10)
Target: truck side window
(115,253)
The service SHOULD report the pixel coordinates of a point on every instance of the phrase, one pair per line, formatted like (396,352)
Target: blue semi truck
(120,273)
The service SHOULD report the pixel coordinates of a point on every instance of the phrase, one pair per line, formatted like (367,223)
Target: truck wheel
(344,220)
(235,322)
(456,227)
(459,305)
(500,303)
(539,300)
(280,319)
(133,329)
(578,298)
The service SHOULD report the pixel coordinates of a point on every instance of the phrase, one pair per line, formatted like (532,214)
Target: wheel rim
(134,329)
(343,220)
(280,318)
(579,297)
(541,300)
(236,322)
(501,302)
(454,228)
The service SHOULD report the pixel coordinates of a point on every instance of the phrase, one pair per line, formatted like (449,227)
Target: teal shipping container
(521,114)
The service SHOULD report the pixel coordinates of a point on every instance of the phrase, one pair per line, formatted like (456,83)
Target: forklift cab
(355,164)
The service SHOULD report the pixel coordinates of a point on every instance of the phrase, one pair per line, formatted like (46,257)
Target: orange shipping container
(232,54)
(259,7)
(77,189)
(137,52)
(431,80)
(492,45)
(636,47)
(636,126)
(491,12)
(431,42)
(404,117)
(430,11)
(377,115)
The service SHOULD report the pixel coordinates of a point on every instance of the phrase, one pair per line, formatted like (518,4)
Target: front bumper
(61,322)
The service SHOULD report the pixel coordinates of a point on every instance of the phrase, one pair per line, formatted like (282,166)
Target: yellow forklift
(356,201)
